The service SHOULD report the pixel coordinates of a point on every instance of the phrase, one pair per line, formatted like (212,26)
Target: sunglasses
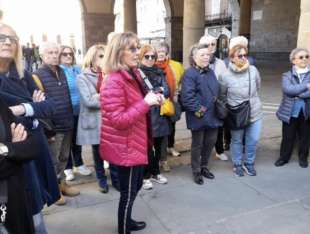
(134,49)
(100,56)
(67,54)
(241,56)
(3,38)
(303,57)
(211,44)
(149,57)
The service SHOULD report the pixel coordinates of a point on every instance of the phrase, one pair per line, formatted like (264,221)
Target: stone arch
(97,21)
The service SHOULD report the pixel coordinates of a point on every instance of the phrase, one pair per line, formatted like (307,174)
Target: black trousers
(300,127)
(223,137)
(171,139)
(155,155)
(131,179)
(75,156)
(203,142)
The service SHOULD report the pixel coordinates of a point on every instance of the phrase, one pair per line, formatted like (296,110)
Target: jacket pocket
(88,121)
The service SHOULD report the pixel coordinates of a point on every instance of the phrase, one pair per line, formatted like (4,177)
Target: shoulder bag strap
(249,84)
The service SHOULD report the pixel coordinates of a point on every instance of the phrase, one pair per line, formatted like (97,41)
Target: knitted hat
(239,40)
(207,39)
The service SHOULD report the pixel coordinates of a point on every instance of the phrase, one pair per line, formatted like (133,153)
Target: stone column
(174,36)
(96,28)
(304,25)
(130,16)
(245,18)
(193,25)
(235,17)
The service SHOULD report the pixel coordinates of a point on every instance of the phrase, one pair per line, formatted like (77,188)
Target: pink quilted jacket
(123,139)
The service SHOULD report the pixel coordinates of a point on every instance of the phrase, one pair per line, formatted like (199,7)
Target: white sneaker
(147,185)
(160,179)
(69,174)
(173,152)
(83,170)
(222,157)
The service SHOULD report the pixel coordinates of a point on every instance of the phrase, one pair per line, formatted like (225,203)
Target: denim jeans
(252,135)
(39,225)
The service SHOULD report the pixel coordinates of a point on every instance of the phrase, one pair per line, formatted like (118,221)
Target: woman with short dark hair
(294,110)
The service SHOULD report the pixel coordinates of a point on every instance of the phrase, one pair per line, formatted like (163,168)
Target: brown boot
(62,201)
(68,191)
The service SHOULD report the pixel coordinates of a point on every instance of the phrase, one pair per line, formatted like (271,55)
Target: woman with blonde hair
(88,131)
(21,94)
(125,129)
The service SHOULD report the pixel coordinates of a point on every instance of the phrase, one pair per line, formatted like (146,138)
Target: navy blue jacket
(41,177)
(196,93)
(58,90)
(160,124)
(292,89)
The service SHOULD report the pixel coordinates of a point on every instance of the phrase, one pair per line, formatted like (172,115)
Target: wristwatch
(4,151)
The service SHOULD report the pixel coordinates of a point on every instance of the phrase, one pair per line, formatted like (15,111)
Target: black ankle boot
(137,225)
(206,173)
(198,179)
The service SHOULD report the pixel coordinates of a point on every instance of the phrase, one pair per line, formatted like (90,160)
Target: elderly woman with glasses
(71,70)
(125,129)
(160,124)
(199,89)
(219,67)
(241,85)
(29,104)
(294,110)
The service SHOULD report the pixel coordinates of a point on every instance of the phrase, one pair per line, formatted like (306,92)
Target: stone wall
(274,28)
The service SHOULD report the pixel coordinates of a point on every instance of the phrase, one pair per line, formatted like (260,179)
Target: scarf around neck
(170,77)
(235,68)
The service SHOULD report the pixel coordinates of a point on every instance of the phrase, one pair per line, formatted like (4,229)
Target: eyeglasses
(3,38)
(149,57)
(67,54)
(303,57)
(241,56)
(100,56)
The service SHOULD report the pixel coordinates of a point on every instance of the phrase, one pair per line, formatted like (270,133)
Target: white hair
(207,39)
(239,40)
(47,45)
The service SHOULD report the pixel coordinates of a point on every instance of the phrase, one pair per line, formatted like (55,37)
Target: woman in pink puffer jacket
(124,129)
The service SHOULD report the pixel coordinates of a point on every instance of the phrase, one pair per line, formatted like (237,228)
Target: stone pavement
(276,201)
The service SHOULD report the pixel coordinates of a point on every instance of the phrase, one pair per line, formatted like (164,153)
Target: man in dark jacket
(54,84)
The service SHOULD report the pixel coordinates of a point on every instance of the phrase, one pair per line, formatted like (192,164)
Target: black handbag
(239,116)
(220,108)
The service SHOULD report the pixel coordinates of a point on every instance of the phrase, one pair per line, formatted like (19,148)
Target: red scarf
(164,65)
(100,75)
